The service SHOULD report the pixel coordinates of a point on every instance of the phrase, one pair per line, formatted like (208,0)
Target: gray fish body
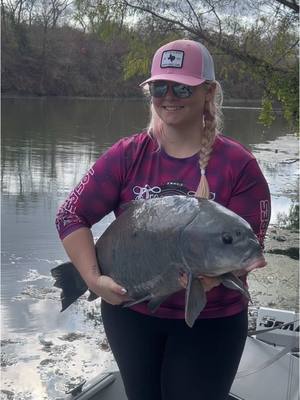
(143,245)
(152,242)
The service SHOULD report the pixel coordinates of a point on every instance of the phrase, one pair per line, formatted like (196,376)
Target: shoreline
(254,102)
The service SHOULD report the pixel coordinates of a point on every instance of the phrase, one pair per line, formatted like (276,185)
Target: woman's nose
(169,92)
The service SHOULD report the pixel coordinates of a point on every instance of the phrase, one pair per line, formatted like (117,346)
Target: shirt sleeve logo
(71,202)
(265,214)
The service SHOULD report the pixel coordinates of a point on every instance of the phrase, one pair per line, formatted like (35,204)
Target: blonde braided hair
(212,118)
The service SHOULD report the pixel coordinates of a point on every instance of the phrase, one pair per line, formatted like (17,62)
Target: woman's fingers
(110,291)
(183,280)
(209,282)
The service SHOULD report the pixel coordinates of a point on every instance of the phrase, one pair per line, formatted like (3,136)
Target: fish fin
(195,300)
(92,296)
(66,302)
(131,204)
(134,302)
(155,302)
(233,282)
(69,280)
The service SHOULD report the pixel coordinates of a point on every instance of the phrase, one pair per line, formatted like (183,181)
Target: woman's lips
(172,108)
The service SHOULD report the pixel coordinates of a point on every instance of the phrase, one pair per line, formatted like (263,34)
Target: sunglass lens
(182,91)
(158,89)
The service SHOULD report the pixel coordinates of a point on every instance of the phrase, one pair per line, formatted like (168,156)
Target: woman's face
(182,112)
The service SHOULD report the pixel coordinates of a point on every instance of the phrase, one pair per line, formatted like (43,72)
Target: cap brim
(186,80)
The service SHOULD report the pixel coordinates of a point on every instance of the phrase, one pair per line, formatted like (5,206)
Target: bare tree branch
(195,14)
(226,45)
(156,15)
(218,19)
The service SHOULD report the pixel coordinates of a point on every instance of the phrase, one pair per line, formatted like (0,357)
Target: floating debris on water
(8,360)
(33,275)
(38,293)
(7,395)
(104,345)
(70,337)
(45,342)
(48,361)
(6,342)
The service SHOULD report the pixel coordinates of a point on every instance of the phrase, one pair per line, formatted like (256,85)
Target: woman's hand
(208,282)
(106,288)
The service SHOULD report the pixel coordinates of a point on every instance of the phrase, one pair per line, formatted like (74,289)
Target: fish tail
(70,281)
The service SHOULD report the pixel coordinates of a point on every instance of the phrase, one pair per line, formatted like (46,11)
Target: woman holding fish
(182,152)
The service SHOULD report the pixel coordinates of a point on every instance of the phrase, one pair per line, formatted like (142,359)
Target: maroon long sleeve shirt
(134,168)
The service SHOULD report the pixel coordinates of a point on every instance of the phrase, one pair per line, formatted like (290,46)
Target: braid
(211,120)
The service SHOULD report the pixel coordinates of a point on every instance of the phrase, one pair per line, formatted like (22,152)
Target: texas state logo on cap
(172,59)
(184,61)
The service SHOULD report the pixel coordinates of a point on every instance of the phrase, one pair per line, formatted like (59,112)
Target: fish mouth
(257,263)
(251,264)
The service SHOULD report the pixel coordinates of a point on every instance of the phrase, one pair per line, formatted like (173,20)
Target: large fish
(148,247)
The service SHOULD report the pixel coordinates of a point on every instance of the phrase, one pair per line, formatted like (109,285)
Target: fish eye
(238,233)
(227,238)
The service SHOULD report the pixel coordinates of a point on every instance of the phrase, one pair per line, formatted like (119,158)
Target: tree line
(105,47)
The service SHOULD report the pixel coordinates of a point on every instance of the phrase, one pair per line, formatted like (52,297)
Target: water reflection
(40,365)
(49,143)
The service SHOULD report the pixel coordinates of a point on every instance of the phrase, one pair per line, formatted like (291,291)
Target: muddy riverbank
(277,284)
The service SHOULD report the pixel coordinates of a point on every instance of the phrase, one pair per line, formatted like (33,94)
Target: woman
(182,152)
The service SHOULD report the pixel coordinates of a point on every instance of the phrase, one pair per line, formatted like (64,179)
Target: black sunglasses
(160,89)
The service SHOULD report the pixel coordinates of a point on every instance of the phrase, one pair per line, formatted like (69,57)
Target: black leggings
(164,359)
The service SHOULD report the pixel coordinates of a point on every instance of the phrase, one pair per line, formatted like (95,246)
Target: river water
(47,146)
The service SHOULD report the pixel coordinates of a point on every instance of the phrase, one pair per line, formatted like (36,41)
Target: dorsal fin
(131,204)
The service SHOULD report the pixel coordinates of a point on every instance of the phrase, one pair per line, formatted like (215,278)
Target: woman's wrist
(91,275)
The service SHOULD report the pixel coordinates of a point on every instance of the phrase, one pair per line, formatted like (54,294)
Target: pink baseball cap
(184,61)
